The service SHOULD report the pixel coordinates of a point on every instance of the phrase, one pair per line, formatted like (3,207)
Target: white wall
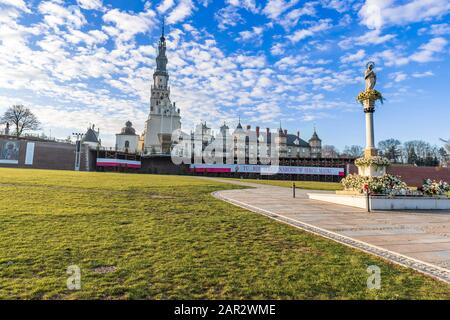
(132,139)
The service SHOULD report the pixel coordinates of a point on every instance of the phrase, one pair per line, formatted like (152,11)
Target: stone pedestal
(371,171)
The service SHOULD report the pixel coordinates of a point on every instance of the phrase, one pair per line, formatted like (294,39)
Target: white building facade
(127,140)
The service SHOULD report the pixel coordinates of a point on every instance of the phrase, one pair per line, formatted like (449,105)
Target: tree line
(415,152)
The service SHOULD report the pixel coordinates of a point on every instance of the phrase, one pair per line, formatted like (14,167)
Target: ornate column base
(370,152)
(371,166)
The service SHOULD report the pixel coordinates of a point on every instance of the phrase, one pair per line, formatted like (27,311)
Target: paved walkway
(420,240)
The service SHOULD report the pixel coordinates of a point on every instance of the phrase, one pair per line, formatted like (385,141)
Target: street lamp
(78,137)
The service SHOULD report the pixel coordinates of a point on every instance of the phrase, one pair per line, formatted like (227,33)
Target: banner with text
(265,169)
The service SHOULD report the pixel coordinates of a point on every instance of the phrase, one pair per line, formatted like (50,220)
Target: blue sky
(299,62)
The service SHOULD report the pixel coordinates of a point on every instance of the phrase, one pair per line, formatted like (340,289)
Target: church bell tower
(164,117)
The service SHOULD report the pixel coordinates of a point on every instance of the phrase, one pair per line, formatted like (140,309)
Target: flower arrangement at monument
(373,161)
(370,94)
(384,185)
(435,188)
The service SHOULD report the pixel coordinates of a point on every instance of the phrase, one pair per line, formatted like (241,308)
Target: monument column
(369,109)
(371,164)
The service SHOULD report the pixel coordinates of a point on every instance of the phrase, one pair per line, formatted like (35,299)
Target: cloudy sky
(299,62)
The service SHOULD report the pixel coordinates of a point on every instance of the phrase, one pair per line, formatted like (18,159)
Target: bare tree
(421,153)
(391,149)
(21,118)
(447,144)
(353,151)
(329,151)
(445,152)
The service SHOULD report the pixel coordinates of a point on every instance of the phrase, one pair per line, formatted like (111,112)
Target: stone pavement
(416,239)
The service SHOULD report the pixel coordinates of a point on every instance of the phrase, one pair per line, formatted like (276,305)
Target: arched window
(127,144)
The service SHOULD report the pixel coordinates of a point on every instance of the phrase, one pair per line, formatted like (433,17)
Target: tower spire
(163,25)
(161,59)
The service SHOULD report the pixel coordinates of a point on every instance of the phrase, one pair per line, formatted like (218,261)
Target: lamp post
(78,137)
(367,192)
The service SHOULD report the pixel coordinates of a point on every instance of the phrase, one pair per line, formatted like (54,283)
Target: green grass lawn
(166,237)
(310,185)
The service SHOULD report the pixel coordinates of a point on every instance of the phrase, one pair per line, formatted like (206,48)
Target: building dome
(128,129)
(315,137)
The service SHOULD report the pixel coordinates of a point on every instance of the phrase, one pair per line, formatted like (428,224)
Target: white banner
(29,154)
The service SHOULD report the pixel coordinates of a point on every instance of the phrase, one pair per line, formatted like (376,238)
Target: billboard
(264,169)
(9,152)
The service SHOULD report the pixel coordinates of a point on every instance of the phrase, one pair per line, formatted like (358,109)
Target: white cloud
(90,4)
(228,16)
(439,29)
(425,53)
(369,38)
(355,57)
(377,13)
(428,50)
(423,74)
(287,62)
(274,8)
(19,4)
(90,38)
(374,37)
(338,5)
(398,76)
(391,57)
(127,25)
(182,11)
(277,49)
(57,16)
(301,34)
(249,5)
(292,17)
(165,5)
(254,35)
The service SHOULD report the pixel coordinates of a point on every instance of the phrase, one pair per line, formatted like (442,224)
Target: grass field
(310,185)
(164,237)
